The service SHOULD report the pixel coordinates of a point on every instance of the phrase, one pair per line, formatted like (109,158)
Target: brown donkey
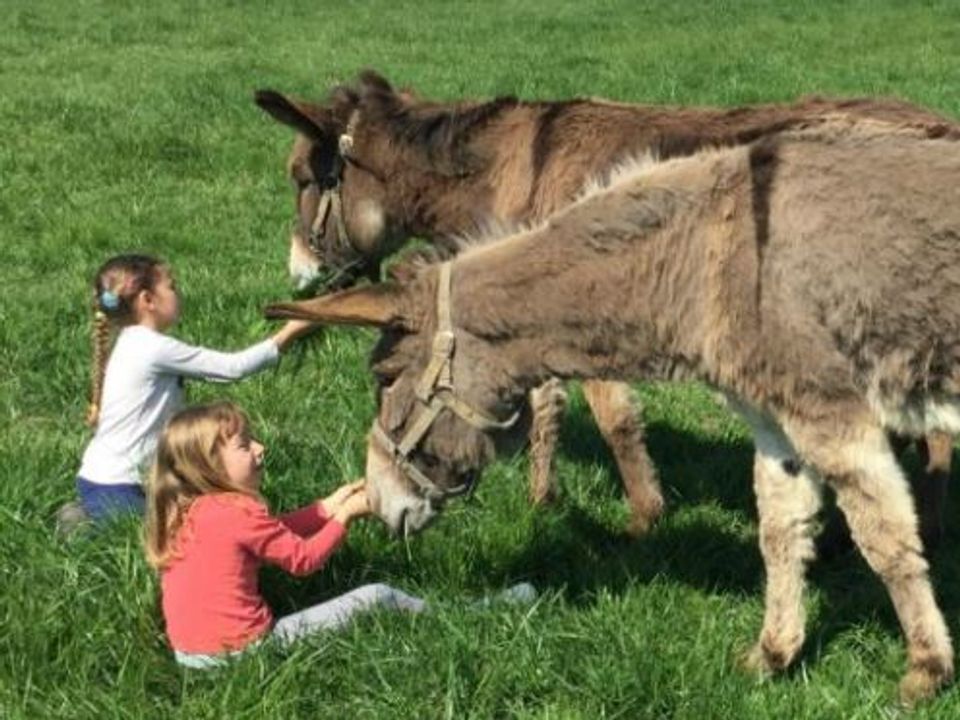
(813,277)
(374,167)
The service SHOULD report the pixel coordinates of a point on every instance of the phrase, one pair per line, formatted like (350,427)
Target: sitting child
(208,531)
(141,386)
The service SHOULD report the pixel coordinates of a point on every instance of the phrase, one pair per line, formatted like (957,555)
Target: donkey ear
(373,82)
(379,305)
(311,120)
(408,96)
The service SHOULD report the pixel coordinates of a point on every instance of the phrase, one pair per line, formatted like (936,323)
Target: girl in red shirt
(208,530)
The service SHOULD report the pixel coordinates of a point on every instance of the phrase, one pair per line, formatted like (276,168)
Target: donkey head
(339,169)
(445,402)
(372,167)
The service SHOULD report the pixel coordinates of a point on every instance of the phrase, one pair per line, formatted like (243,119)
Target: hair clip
(109,300)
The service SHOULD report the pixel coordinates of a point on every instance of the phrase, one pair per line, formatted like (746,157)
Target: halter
(330,200)
(434,393)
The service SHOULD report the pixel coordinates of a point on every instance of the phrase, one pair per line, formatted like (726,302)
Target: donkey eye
(428,461)
(385,380)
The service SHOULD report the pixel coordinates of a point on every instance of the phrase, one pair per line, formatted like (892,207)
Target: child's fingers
(351,488)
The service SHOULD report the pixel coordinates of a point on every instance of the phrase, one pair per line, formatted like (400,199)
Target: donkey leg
(930,490)
(834,540)
(616,409)
(547,404)
(788,499)
(875,498)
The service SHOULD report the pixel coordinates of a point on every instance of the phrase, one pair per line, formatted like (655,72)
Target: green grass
(131,126)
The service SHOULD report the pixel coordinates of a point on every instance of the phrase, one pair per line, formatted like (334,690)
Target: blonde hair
(187,465)
(115,287)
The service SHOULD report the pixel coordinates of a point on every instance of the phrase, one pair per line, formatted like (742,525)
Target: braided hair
(115,288)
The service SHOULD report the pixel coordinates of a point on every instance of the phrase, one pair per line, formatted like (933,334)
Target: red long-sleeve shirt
(211,598)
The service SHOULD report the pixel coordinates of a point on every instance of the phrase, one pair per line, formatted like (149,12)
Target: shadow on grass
(574,553)
(571,552)
(854,594)
(692,469)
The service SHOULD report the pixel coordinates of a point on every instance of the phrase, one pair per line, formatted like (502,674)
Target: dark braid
(115,288)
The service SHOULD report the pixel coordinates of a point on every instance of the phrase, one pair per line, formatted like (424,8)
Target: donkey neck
(440,209)
(620,285)
(478,183)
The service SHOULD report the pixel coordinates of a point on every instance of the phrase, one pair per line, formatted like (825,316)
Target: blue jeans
(104,501)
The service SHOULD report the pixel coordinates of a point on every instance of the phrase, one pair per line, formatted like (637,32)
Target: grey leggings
(330,615)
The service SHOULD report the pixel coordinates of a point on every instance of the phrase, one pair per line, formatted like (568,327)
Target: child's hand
(336,498)
(354,506)
(291,330)
(299,328)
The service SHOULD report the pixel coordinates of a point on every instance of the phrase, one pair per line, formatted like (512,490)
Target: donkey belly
(918,416)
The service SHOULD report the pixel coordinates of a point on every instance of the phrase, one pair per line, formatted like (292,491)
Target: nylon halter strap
(330,200)
(434,393)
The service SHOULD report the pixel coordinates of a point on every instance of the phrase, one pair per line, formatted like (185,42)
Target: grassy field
(131,125)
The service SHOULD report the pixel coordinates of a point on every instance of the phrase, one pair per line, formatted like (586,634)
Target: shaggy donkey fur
(813,277)
(443,170)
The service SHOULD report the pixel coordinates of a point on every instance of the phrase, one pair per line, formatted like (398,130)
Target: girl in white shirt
(140,386)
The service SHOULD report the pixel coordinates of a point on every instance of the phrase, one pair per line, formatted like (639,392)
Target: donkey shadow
(577,555)
(695,471)
(572,553)
(692,470)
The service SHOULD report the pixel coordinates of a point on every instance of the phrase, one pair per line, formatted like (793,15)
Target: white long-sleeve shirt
(142,388)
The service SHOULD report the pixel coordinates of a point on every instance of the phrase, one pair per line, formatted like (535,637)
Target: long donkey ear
(311,120)
(373,82)
(379,305)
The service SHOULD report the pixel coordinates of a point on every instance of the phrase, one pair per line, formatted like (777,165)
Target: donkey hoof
(753,662)
(543,497)
(643,519)
(640,525)
(922,683)
(761,661)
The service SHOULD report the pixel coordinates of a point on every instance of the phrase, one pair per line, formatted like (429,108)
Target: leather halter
(331,202)
(434,393)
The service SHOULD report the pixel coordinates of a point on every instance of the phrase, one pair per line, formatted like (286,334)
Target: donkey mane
(825,129)
(494,230)
(440,132)
(448,136)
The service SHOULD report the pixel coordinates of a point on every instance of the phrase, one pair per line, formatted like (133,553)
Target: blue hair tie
(109,300)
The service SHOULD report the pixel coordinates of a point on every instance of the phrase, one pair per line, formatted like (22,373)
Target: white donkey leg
(788,499)
(855,457)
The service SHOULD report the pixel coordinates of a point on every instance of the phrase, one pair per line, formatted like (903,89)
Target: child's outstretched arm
(310,518)
(177,357)
(270,539)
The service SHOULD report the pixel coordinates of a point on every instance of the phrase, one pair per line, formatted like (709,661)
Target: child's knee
(374,592)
